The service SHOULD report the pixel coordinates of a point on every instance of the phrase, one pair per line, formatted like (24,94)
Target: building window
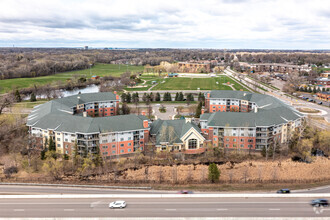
(215,139)
(250,146)
(192,144)
(129,150)
(66,152)
(113,146)
(242,145)
(234,139)
(227,145)
(121,151)
(242,140)
(58,145)
(58,139)
(250,140)
(129,144)
(66,146)
(227,139)
(122,145)
(113,152)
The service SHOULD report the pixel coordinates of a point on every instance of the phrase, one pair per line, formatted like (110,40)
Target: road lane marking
(170,209)
(69,210)
(222,209)
(19,210)
(274,209)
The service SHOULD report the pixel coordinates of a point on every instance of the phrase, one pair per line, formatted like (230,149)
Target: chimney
(255,109)
(85,114)
(203,111)
(145,123)
(244,94)
(208,95)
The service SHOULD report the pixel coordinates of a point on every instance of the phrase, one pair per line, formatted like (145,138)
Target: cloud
(170,23)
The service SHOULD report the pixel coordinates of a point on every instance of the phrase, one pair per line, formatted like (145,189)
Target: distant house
(172,75)
(324,95)
(95,77)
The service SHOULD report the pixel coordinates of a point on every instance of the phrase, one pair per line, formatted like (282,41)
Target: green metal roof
(171,131)
(270,111)
(57,115)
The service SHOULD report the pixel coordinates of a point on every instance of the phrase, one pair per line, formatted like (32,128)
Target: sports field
(98,69)
(195,83)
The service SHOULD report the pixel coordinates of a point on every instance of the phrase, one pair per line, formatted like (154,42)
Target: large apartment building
(274,67)
(243,120)
(67,122)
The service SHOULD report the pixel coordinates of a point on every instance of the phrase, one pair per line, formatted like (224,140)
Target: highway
(23,190)
(163,207)
(37,190)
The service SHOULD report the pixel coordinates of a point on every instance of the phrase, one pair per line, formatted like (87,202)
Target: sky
(219,24)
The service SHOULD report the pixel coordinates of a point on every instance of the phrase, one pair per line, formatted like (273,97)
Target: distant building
(324,95)
(195,67)
(274,67)
(325,75)
(323,82)
(86,47)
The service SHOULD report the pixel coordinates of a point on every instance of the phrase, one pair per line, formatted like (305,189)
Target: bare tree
(5,102)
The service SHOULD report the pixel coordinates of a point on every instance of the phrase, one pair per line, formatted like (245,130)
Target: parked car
(283,191)
(117,204)
(319,202)
(311,100)
(320,103)
(185,192)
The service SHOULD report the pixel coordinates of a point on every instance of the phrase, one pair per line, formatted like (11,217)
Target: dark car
(320,103)
(185,192)
(319,202)
(283,191)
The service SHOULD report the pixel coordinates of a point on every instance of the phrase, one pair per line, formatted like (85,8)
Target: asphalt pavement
(163,207)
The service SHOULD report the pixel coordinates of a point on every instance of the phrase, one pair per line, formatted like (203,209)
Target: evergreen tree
(181,96)
(144,97)
(125,109)
(201,97)
(18,96)
(177,96)
(51,145)
(123,97)
(151,97)
(33,97)
(214,173)
(190,97)
(157,97)
(128,98)
(198,110)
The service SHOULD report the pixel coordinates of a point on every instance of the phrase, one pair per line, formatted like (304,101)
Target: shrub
(214,173)
(10,170)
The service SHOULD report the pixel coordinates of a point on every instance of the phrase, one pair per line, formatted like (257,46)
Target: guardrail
(81,186)
(160,196)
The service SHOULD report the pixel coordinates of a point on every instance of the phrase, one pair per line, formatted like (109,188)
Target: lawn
(98,69)
(195,83)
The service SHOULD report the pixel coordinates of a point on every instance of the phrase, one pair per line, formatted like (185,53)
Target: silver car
(117,204)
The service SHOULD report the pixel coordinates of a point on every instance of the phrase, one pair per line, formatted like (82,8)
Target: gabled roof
(171,131)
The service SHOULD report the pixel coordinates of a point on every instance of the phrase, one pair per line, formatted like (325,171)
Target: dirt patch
(308,110)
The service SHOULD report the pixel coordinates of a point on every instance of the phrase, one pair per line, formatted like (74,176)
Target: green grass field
(98,69)
(195,83)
